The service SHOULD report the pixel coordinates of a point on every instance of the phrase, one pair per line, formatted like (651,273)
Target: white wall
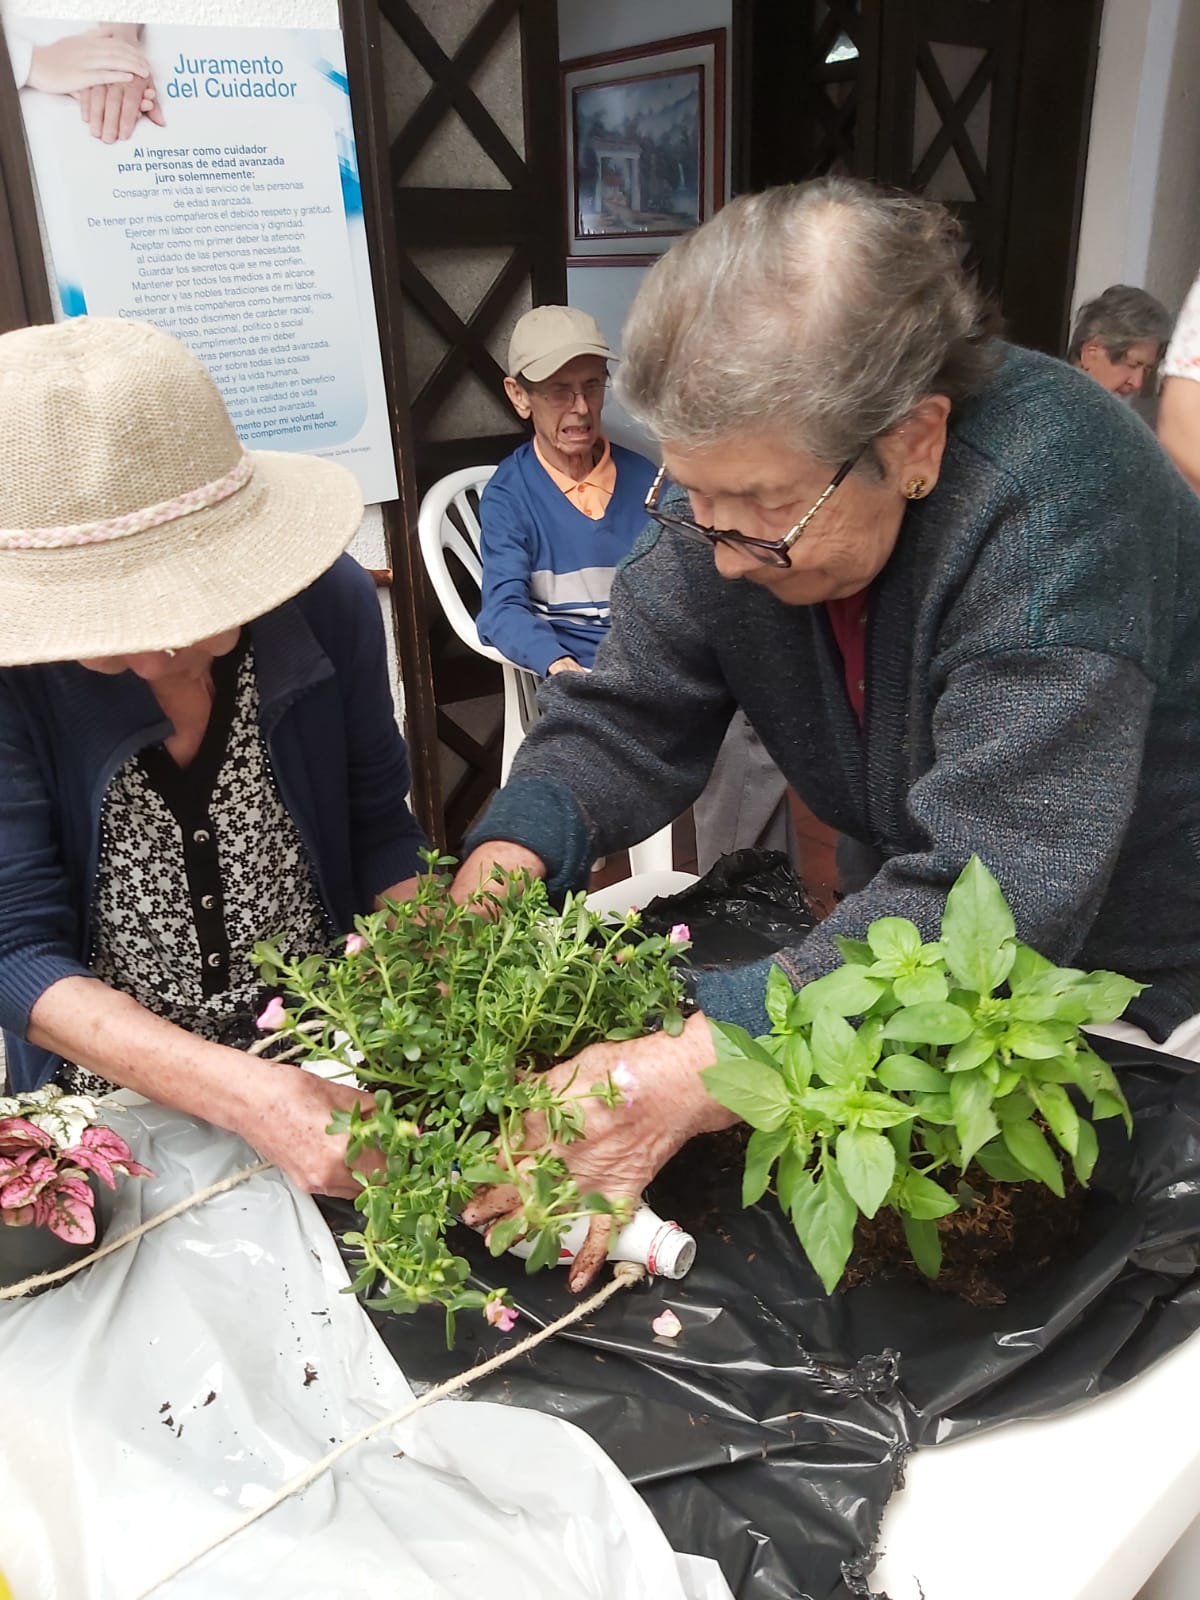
(1141,204)
(585,29)
(369,545)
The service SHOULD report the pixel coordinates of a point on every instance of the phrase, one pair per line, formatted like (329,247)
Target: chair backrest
(448,523)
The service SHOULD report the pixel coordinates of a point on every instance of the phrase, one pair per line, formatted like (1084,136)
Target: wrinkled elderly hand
(286,1123)
(481,863)
(623,1146)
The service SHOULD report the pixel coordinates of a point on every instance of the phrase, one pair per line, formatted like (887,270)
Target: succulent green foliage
(449,1015)
(964,1048)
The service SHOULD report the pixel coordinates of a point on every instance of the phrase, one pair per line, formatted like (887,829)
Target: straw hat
(131,518)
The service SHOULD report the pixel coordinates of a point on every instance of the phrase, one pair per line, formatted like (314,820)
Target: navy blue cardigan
(334,748)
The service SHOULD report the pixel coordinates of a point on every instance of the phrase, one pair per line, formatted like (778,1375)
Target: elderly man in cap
(563,509)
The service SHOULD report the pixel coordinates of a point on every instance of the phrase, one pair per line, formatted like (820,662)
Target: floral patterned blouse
(197,864)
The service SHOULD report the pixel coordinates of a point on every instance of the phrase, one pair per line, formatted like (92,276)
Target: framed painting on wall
(644,147)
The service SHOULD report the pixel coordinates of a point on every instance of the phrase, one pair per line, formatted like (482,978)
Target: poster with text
(205,180)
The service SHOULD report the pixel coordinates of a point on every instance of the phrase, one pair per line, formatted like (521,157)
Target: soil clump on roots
(1004,1234)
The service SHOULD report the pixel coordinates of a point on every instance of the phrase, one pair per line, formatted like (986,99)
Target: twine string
(14,1291)
(625,1273)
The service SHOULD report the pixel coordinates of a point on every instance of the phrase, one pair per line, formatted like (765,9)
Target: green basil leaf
(924,1199)
(796,1060)
(1026,964)
(935,1108)
(925,1242)
(1037,1041)
(933,1023)
(792,1173)
(867,1109)
(978,931)
(1097,1079)
(1014,1107)
(824,1215)
(900,1134)
(1087,1150)
(870,1039)
(735,1044)
(1028,1144)
(848,992)
(762,1152)
(1051,992)
(779,997)
(971,1052)
(974,1120)
(854,952)
(838,1057)
(751,1091)
(1108,994)
(999,1165)
(867,1164)
(895,939)
(910,1072)
(1107,1105)
(1062,1068)
(1061,1117)
(920,987)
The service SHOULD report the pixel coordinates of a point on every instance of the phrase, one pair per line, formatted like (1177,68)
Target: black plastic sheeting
(771,1433)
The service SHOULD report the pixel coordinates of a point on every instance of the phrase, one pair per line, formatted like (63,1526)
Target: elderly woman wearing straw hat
(197,743)
(955,589)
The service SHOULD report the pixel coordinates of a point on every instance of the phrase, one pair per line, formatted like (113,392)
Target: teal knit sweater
(1033,696)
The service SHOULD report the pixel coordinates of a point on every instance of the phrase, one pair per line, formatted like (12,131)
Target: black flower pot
(29,1250)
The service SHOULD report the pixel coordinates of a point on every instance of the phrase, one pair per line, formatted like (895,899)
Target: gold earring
(915,489)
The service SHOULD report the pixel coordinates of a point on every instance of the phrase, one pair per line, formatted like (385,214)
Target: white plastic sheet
(147,1403)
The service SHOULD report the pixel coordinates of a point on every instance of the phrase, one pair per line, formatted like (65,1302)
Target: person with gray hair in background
(955,590)
(1118,339)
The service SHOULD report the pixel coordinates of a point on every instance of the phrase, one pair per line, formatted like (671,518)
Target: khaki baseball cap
(547,337)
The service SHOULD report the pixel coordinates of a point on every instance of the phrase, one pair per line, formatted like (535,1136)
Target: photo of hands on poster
(205,180)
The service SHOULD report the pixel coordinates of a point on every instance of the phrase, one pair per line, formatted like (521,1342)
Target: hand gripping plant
(967,1049)
(450,1016)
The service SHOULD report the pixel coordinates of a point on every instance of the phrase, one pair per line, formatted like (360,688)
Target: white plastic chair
(448,522)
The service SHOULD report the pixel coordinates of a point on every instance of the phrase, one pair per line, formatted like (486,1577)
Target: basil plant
(965,1049)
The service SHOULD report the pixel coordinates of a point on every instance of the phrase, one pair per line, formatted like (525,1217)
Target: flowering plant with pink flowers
(451,1018)
(50,1142)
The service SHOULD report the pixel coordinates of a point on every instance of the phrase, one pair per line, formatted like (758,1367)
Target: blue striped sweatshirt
(548,568)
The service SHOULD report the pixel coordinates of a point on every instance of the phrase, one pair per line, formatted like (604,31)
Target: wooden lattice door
(982,104)
(470,89)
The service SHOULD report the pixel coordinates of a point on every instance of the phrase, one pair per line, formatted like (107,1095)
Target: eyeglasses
(771,552)
(561,395)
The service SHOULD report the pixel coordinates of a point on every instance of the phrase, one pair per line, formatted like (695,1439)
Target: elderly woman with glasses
(955,589)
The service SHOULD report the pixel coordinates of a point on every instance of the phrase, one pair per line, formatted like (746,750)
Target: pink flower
(354,943)
(500,1316)
(622,1077)
(667,1325)
(680,934)
(272,1018)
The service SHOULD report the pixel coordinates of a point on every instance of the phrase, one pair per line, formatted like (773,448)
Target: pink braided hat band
(81,533)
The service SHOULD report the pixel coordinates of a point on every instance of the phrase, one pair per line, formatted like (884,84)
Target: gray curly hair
(1119,317)
(821,311)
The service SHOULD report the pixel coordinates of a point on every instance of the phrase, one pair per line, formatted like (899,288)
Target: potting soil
(771,1432)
